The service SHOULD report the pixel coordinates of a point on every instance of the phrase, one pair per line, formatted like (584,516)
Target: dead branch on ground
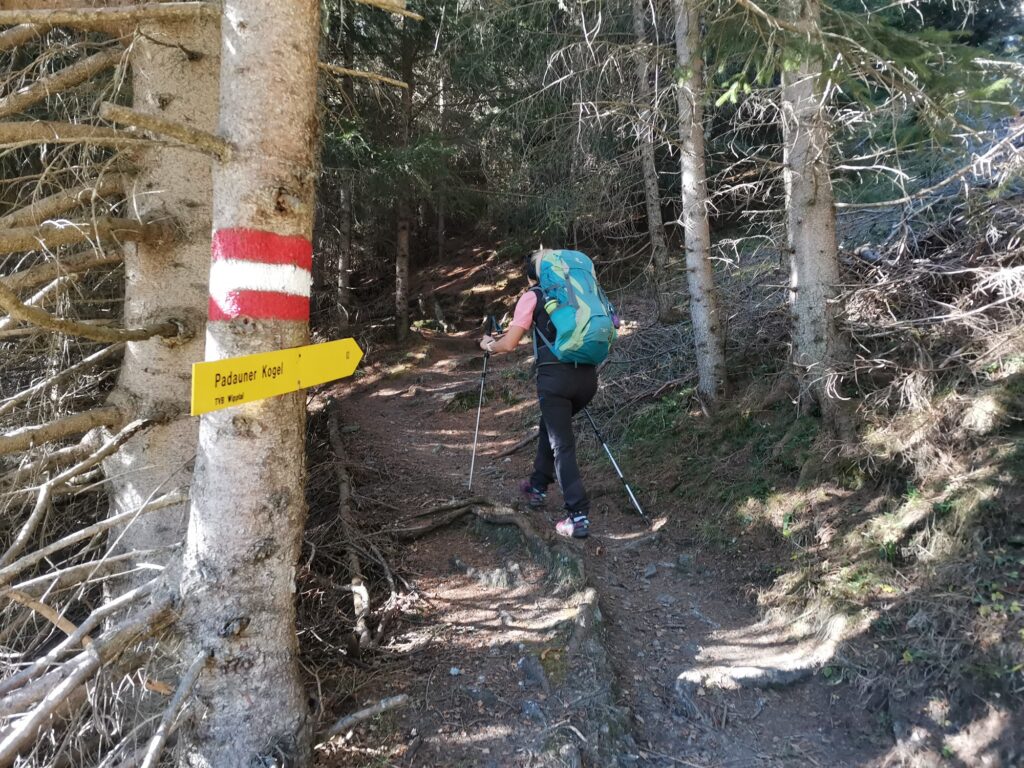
(360,593)
(350,721)
(520,445)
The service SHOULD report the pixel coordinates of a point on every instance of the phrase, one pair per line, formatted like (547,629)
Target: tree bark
(404,203)
(708,333)
(810,211)
(173,183)
(652,193)
(248,503)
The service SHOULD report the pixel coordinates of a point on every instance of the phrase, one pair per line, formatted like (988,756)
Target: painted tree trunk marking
(260,275)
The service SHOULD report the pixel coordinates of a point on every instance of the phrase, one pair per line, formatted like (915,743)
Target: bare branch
(105,450)
(114,18)
(988,157)
(392,6)
(188,680)
(76,424)
(79,670)
(15,37)
(39,511)
(69,265)
(355,718)
(521,444)
(25,133)
(360,593)
(66,200)
(54,234)
(68,77)
(204,141)
(78,637)
(38,298)
(8,573)
(92,570)
(18,310)
(96,357)
(346,72)
(50,487)
(46,612)
(50,459)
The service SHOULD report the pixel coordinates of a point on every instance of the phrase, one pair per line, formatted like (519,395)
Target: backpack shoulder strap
(540,315)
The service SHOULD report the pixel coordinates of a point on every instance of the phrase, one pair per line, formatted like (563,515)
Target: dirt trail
(678,625)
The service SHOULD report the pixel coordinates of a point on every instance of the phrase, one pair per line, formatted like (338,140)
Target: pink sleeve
(523,317)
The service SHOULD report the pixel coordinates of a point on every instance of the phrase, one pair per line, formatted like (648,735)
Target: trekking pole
(632,496)
(492,324)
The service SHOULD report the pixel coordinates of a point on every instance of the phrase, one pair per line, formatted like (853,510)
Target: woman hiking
(563,390)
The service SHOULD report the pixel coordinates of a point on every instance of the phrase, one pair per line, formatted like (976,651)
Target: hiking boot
(534,498)
(578,527)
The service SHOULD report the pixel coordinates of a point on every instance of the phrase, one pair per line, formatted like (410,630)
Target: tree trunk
(810,211)
(345,191)
(708,334)
(165,280)
(652,194)
(402,271)
(440,191)
(248,505)
(404,204)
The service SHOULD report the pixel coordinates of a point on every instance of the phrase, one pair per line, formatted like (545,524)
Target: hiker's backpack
(580,312)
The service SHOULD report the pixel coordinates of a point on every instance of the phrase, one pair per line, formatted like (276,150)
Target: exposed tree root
(484,509)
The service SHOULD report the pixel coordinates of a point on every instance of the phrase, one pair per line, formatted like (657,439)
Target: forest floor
(490,650)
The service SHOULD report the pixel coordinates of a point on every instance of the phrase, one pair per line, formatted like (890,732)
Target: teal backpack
(584,320)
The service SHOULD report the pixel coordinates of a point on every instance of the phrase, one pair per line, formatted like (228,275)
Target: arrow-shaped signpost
(236,380)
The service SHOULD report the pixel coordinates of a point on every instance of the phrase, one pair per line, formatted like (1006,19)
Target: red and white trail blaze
(261,275)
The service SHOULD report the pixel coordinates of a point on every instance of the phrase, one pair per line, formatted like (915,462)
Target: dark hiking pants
(563,390)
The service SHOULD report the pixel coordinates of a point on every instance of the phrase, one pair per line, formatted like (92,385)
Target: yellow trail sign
(236,380)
